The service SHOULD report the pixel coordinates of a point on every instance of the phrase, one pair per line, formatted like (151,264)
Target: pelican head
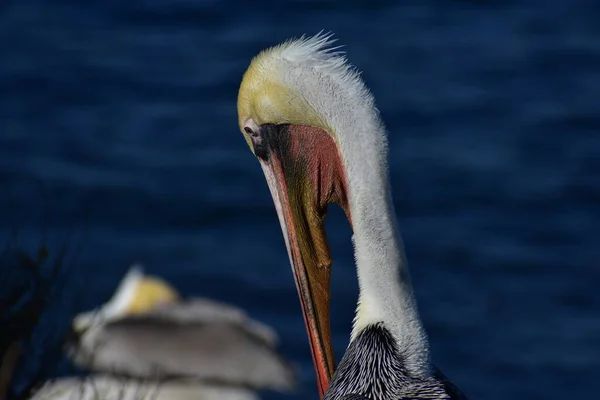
(136,294)
(313,125)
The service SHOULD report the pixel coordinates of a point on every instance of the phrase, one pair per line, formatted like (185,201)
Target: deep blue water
(126,112)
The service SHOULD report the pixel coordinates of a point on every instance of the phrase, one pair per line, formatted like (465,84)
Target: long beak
(303,176)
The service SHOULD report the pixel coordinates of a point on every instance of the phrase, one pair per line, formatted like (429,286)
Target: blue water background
(126,111)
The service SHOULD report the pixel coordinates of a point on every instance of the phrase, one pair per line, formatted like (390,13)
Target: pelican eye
(249,131)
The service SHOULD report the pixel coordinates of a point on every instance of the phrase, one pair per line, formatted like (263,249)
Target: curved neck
(386,293)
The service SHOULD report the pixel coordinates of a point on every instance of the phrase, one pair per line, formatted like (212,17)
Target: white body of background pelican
(106,387)
(148,343)
(313,125)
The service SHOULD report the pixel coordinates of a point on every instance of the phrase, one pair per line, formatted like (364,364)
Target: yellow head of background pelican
(137,294)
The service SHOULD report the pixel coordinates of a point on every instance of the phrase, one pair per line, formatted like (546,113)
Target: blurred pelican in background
(149,343)
(147,331)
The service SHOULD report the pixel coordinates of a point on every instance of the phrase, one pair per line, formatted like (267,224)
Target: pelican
(147,331)
(313,126)
(147,343)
